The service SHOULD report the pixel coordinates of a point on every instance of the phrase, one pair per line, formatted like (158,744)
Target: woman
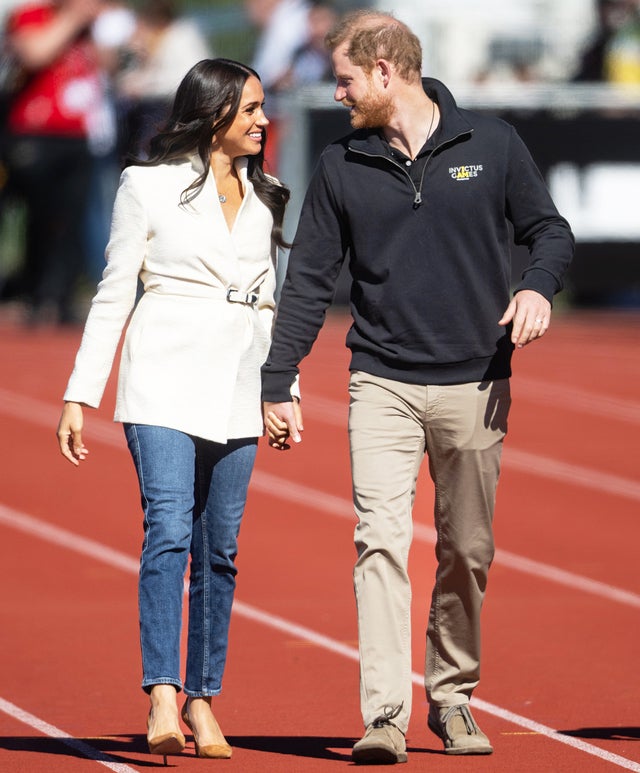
(198,224)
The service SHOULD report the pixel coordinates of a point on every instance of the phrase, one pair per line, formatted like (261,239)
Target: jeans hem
(202,693)
(149,684)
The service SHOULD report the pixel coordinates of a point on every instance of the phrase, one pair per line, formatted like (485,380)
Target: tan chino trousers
(461,428)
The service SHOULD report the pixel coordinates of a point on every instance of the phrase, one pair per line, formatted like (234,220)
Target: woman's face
(245,135)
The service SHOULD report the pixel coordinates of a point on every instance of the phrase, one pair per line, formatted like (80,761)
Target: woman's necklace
(228,184)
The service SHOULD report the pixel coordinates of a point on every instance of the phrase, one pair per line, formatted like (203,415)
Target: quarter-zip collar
(453,124)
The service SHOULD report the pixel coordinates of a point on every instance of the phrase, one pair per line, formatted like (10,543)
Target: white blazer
(190,359)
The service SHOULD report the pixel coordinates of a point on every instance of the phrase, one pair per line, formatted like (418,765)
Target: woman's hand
(283,420)
(70,433)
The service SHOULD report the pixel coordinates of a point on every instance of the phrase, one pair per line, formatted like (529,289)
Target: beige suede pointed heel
(219,750)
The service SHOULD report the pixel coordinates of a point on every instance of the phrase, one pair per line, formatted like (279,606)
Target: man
(419,196)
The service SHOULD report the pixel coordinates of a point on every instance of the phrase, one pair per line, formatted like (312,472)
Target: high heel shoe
(217,751)
(166,743)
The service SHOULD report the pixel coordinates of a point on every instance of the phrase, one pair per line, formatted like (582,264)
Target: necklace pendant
(222,198)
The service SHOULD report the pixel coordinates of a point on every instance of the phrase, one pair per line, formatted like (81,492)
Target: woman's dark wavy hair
(206,101)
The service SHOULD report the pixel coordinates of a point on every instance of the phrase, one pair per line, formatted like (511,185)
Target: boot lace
(390,712)
(464,712)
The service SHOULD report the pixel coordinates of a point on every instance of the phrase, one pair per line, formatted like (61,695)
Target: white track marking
(53,732)
(334,412)
(572,398)
(533,390)
(571,474)
(95,550)
(282,488)
(109,433)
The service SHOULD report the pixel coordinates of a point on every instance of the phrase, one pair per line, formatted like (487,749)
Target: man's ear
(384,70)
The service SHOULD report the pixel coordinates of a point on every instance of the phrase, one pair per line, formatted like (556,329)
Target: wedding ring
(539,321)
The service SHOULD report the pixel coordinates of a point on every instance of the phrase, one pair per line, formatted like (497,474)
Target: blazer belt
(238,296)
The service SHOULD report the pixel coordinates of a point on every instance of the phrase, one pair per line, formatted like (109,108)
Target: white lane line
(335,413)
(532,389)
(575,399)
(573,474)
(279,623)
(53,732)
(95,550)
(569,579)
(548,393)
(554,735)
(111,434)
(282,488)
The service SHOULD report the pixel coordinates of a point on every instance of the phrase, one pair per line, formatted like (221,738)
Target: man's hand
(530,313)
(283,420)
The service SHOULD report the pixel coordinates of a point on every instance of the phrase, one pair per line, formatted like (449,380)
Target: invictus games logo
(461,173)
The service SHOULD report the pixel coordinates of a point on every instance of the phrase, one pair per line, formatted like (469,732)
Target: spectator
(284,26)
(612,15)
(47,156)
(111,32)
(311,62)
(622,56)
(163,48)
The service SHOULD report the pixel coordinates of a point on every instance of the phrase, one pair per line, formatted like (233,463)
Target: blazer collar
(241,164)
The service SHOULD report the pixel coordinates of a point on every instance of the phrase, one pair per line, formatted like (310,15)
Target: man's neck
(413,122)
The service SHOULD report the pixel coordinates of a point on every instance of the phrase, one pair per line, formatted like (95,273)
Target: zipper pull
(417,199)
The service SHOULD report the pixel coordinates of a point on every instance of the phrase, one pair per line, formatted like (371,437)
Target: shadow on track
(605,733)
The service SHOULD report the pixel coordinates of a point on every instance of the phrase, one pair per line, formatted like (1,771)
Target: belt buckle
(250,299)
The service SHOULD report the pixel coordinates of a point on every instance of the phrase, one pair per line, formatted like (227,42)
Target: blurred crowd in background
(84,84)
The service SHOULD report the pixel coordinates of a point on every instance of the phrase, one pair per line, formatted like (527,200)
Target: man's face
(363,93)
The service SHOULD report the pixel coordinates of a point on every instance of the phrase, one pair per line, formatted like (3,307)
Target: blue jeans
(193,495)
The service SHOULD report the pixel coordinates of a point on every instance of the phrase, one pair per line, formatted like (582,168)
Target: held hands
(70,433)
(281,421)
(530,313)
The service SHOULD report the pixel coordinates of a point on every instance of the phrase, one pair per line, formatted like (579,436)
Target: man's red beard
(371,112)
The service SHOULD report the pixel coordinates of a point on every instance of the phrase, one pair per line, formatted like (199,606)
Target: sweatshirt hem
(470,371)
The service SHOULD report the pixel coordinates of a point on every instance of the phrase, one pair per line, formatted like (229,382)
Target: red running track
(560,687)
